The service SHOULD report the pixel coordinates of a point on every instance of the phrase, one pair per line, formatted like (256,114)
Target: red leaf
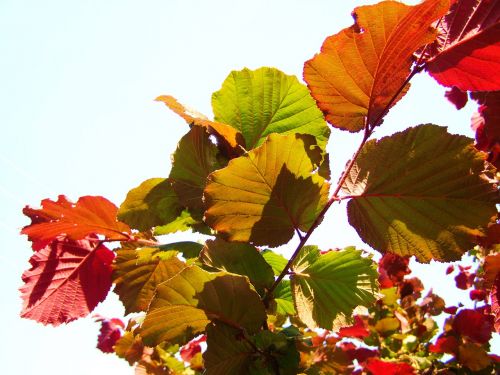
(90,215)
(474,324)
(451,310)
(486,124)
(466,51)
(379,367)
(357,330)
(411,286)
(66,281)
(444,345)
(495,303)
(110,332)
(450,269)
(360,354)
(193,347)
(456,97)
(395,266)
(464,280)
(477,295)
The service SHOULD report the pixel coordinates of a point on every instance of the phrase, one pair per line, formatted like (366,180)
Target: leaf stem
(369,128)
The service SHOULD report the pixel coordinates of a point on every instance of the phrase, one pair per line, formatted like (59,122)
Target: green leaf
(420,192)
(283,298)
(152,203)
(185,221)
(242,259)
(264,101)
(186,303)
(276,261)
(137,273)
(282,350)
(227,352)
(264,196)
(326,288)
(188,249)
(193,160)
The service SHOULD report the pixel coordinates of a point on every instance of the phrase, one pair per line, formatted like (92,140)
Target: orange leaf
(229,138)
(90,215)
(362,68)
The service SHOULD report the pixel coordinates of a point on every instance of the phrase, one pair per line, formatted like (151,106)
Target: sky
(78,117)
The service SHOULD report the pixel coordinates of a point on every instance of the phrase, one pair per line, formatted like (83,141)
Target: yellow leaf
(387,324)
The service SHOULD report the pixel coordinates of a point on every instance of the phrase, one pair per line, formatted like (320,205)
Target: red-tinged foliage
(466,51)
(456,97)
(90,215)
(357,330)
(110,332)
(193,347)
(66,281)
(464,280)
(450,269)
(379,367)
(495,303)
(452,310)
(486,124)
(394,266)
(412,286)
(359,354)
(474,324)
(477,295)
(445,344)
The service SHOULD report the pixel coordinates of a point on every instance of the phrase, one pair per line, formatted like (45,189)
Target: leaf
(109,333)
(473,356)
(130,347)
(495,303)
(445,344)
(66,281)
(282,351)
(329,286)
(429,203)
(186,303)
(152,203)
(465,53)
(357,330)
(276,261)
(242,259)
(378,367)
(185,221)
(486,124)
(474,324)
(263,196)
(264,101)
(456,97)
(188,249)
(283,298)
(137,273)
(229,138)
(360,69)
(193,160)
(90,215)
(226,352)
(188,351)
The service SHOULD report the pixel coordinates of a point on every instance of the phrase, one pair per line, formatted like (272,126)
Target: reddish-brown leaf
(193,347)
(495,303)
(358,329)
(66,281)
(362,68)
(360,354)
(477,295)
(474,324)
(395,266)
(466,51)
(444,344)
(464,280)
(457,97)
(379,367)
(91,215)
(486,124)
(110,332)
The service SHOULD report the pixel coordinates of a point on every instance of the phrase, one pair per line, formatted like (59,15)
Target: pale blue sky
(77,115)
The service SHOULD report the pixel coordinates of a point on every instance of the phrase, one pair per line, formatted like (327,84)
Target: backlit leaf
(185,221)
(186,303)
(229,138)
(486,123)
(66,281)
(420,192)
(130,347)
(466,51)
(194,159)
(473,356)
(90,215)
(360,69)
(264,101)
(282,295)
(242,259)
(379,367)
(152,203)
(264,196)
(109,333)
(327,287)
(188,249)
(276,261)
(137,273)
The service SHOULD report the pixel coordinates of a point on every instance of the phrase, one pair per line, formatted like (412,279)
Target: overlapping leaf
(137,273)
(276,261)
(282,295)
(229,138)
(242,259)
(466,51)
(90,215)
(361,69)
(194,159)
(264,101)
(152,203)
(66,282)
(327,287)
(264,196)
(486,124)
(187,302)
(420,192)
